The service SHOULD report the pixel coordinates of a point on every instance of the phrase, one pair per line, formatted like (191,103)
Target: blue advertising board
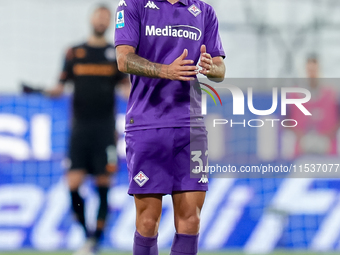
(252,214)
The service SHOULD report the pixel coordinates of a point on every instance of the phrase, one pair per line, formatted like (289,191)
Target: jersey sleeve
(67,72)
(127,24)
(212,39)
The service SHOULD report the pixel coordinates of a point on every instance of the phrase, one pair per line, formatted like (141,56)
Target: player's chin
(99,31)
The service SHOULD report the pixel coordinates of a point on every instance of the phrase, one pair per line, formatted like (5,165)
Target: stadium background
(263,39)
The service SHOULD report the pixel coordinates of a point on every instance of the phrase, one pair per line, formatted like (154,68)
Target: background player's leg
(103,184)
(75,178)
(148,210)
(187,209)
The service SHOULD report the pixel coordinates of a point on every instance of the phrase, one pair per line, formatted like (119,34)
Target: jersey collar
(185,2)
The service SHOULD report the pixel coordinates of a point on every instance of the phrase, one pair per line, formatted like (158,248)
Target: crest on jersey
(120,19)
(194,10)
(141,179)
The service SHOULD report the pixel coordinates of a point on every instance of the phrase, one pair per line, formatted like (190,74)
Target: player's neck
(97,41)
(173,1)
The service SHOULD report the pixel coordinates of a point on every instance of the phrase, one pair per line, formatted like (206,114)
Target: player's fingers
(184,54)
(186,62)
(203,49)
(207,55)
(204,71)
(207,60)
(188,68)
(205,65)
(183,78)
(188,73)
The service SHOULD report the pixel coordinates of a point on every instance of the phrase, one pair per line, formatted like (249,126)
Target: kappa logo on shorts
(204,179)
(141,179)
(194,10)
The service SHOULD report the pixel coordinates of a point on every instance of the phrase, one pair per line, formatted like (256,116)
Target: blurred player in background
(93,69)
(316,134)
(159,43)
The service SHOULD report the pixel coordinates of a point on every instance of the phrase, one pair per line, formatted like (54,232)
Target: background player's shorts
(160,160)
(90,144)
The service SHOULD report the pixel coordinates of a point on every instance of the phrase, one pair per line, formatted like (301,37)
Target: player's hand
(54,92)
(206,61)
(181,69)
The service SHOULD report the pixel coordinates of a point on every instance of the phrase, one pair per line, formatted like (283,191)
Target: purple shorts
(163,160)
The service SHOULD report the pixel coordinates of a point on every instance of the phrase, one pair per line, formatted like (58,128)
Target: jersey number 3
(196,157)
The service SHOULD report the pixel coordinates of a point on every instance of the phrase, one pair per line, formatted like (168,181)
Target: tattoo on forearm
(140,66)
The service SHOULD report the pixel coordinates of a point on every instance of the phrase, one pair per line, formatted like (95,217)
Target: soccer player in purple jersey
(159,43)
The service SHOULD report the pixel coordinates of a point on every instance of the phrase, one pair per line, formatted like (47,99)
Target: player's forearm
(134,64)
(217,72)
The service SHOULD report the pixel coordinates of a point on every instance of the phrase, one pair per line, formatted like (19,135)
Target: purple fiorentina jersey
(160,32)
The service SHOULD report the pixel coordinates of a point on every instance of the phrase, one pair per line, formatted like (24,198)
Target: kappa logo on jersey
(151,5)
(141,179)
(120,19)
(181,31)
(194,10)
(121,3)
